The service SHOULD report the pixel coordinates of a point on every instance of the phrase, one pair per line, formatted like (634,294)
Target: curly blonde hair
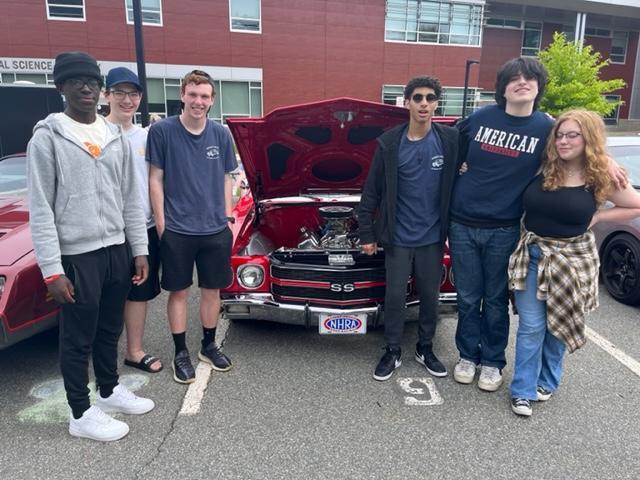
(597,178)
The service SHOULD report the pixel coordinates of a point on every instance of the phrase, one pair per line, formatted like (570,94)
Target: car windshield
(628,156)
(13,176)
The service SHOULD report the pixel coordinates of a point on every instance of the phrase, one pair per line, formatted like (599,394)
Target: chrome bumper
(264,307)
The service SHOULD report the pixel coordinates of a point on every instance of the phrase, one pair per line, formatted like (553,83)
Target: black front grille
(335,283)
(325,275)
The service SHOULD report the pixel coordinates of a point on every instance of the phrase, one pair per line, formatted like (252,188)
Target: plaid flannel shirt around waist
(567,281)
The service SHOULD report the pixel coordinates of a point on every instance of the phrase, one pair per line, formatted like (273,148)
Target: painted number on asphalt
(421,391)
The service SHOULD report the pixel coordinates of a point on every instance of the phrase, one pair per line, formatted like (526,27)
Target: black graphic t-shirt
(504,156)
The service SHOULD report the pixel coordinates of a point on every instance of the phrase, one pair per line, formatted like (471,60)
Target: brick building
(268,53)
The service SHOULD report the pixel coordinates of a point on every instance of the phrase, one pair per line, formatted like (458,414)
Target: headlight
(251,276)
(2,280)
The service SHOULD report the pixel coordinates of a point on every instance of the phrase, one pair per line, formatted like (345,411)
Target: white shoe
(124,401)
(464,371)
(97,425)
(490,379)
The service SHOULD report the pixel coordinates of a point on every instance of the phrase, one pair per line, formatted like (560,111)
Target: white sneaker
(124,401)
(490,379)
(464,371)
(97,425)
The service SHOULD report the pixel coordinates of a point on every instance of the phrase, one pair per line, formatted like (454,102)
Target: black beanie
(75,64)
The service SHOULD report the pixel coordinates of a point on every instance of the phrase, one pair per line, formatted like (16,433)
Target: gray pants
(426,263)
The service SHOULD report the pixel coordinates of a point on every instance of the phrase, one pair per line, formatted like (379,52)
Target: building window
(618,52)
(434,21)
(450,101)
(597,32)
(233,99)
(531,38)
(503,23)
(569,32)
(151,11)
(65,10)
(612,118)
(244,16)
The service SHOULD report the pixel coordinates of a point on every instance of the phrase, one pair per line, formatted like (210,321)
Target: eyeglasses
(568,135)
(121,94)
(78,83)
(431,97)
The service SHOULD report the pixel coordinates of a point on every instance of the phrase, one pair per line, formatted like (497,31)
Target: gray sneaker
(464,371)
(490,379)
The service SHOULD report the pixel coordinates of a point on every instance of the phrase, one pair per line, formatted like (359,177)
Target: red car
(296,253)
(25,306)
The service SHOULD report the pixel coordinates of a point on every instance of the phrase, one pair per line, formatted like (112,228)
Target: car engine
(338,231)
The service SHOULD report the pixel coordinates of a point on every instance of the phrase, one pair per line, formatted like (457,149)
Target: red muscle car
(25,306)
(296,252)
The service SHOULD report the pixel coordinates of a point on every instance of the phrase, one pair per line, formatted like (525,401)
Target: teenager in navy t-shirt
(502,146)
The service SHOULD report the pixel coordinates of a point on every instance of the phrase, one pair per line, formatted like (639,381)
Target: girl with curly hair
(554,269)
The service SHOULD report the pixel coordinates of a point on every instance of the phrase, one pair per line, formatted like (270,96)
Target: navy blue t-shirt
(194,169)
(504,155)
(418,204)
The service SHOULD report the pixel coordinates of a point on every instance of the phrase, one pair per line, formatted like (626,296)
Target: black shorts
(151,288)
(211,254)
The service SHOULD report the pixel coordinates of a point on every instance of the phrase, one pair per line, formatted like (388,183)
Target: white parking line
(193,398)
(614,351)
(195,392)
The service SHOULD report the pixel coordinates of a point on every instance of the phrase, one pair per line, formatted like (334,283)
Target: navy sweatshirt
(504,154)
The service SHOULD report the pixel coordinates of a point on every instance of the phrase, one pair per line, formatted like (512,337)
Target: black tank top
(561,213)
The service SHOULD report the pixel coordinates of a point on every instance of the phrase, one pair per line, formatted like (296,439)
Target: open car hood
(15,236)
(323,146)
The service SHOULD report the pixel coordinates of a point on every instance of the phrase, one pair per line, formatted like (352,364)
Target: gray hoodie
(78,203)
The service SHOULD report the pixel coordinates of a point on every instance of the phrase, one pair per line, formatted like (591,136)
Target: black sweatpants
(426,263)
(92,325)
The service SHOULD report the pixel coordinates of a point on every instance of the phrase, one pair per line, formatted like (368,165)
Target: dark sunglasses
(431,97)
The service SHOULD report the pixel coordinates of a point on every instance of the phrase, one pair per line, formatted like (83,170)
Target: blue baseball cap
(120,75)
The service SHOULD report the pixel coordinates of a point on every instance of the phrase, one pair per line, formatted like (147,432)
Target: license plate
(343,324)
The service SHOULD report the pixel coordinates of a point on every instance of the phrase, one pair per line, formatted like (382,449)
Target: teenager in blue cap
(123,93)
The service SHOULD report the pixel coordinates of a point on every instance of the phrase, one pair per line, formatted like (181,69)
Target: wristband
(52,278)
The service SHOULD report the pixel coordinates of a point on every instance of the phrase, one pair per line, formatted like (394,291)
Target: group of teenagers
(109,203)
(514,191)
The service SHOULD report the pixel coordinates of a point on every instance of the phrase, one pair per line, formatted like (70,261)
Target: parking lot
(300,405)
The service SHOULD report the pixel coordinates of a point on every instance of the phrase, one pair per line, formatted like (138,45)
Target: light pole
(142,71)
(466,86)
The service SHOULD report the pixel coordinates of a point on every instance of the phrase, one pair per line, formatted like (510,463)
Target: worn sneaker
(183,371)
(387,364)
(426,357)
(543,394)
(97,425)
(490,379)
(521,406)
(464,371)
(213,356)
(124,401)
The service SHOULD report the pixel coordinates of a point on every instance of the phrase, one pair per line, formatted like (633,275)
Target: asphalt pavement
(297,405)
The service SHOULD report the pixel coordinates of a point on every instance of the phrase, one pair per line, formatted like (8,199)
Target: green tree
(574,79)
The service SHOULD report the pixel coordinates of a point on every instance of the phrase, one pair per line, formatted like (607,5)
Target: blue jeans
(480,259)
(539,354)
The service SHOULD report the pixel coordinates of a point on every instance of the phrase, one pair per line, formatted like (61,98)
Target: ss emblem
(340,287)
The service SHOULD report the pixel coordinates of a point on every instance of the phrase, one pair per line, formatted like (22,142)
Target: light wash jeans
(539,354)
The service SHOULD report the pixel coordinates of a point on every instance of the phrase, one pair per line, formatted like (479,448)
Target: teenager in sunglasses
(412,171)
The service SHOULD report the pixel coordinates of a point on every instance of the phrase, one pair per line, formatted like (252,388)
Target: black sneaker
(183,371)
(425,356)
(387,364)
(543,394)
(214,357)
(521,406)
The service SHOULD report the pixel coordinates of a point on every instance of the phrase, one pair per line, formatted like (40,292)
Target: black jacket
(377,209)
